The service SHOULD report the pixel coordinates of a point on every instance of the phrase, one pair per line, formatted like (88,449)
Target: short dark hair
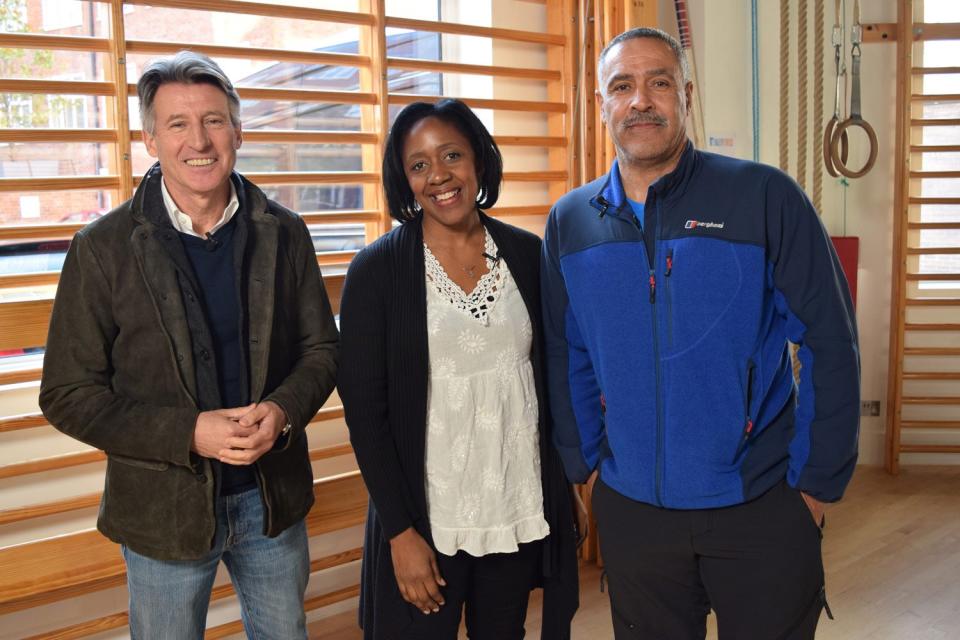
(648,32)
(187,67)
(487,159)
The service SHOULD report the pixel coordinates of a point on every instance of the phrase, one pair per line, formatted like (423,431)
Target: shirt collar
(182,222)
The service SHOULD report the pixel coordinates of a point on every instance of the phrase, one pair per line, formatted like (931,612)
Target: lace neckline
(479,302)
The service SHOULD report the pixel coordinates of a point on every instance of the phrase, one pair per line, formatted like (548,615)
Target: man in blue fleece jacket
(671,288)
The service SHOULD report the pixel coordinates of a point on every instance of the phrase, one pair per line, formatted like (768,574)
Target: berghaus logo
(700,224)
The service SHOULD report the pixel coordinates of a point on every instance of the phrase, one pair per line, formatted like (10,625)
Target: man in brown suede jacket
(192,341)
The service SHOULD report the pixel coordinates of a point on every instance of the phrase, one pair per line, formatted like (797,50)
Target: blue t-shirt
(637,210)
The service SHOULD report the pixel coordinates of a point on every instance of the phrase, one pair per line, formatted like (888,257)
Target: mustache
(644,118)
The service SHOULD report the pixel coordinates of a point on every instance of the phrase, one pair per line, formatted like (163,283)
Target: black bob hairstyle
(489,162)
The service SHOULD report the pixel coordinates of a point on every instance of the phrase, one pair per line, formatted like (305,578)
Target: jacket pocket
(140,463)
(747,418)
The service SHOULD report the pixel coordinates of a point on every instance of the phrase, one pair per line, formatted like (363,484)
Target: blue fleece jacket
(668,362)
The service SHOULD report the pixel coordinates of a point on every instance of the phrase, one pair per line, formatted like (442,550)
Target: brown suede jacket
(119,370)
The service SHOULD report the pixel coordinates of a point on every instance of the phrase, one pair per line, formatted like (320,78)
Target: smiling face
(644,103)
(195,142)
(441,170)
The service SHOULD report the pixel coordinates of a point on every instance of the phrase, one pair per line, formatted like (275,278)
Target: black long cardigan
(383,380)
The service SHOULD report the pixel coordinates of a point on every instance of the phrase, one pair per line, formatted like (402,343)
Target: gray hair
(648,32)
(186,67)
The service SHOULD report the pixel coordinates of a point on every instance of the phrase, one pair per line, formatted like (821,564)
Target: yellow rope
(784,85)
(818,80)
(802,95)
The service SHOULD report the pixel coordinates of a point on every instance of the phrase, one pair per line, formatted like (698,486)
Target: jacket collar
(148,207)
(611,198)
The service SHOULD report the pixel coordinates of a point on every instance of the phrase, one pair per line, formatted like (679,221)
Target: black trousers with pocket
(757,565)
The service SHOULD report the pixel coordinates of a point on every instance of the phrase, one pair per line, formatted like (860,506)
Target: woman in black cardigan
(441,167)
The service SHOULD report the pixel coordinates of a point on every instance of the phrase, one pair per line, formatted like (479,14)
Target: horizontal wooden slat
(55,569)
(471,30)
(16,376)
(41,278)
(934,174)
(929,424)
(929,448)
(294,136)
(307,95)
(22,421)
(296,95)
(341,501)
(934,200)
(531,141)
(934,148)
(933,302)
(335,257)
(333,597)
(485,103)
(934,122)
(8,185)
(933,277)
(919,71)
(933,251)
(309,137)
(931,400)
(24,323)
(305,177)
(85,629)
(931,351)
(314,177)
(251,53)
(50,42)
(8,516)
(50,463)
(69,87)
(935,97)
(361,216)
(263,9)
(887,31)
(931,375)
(37,231)
(948,226)
(534,176)
(531,210)
(472,69)
(914,326)
(58,135)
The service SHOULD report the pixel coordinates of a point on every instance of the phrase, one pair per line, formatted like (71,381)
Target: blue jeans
(169,599)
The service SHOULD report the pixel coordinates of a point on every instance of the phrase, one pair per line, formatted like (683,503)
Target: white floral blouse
(482,453)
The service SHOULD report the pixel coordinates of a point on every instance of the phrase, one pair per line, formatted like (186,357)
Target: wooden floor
(892,557)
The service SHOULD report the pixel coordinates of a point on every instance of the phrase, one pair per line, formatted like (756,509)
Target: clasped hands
(239,435)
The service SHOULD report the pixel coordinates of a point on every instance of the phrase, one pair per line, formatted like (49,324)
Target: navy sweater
(213,266)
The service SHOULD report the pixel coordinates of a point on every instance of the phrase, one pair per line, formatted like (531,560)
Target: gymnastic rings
(838,147)
(835,139)
(828,142)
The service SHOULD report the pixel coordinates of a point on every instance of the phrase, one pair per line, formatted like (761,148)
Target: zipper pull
(669,262)
(743,440)
(653,287)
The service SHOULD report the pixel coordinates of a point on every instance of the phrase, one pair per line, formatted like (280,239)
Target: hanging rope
(818,16)
(755,78)
(802,95)
(784,85)
(856,119)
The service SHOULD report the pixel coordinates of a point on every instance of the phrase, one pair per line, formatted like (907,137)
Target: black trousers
(757,565)
(493,590)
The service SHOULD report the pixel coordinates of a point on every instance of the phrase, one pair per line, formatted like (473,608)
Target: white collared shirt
(184,224)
